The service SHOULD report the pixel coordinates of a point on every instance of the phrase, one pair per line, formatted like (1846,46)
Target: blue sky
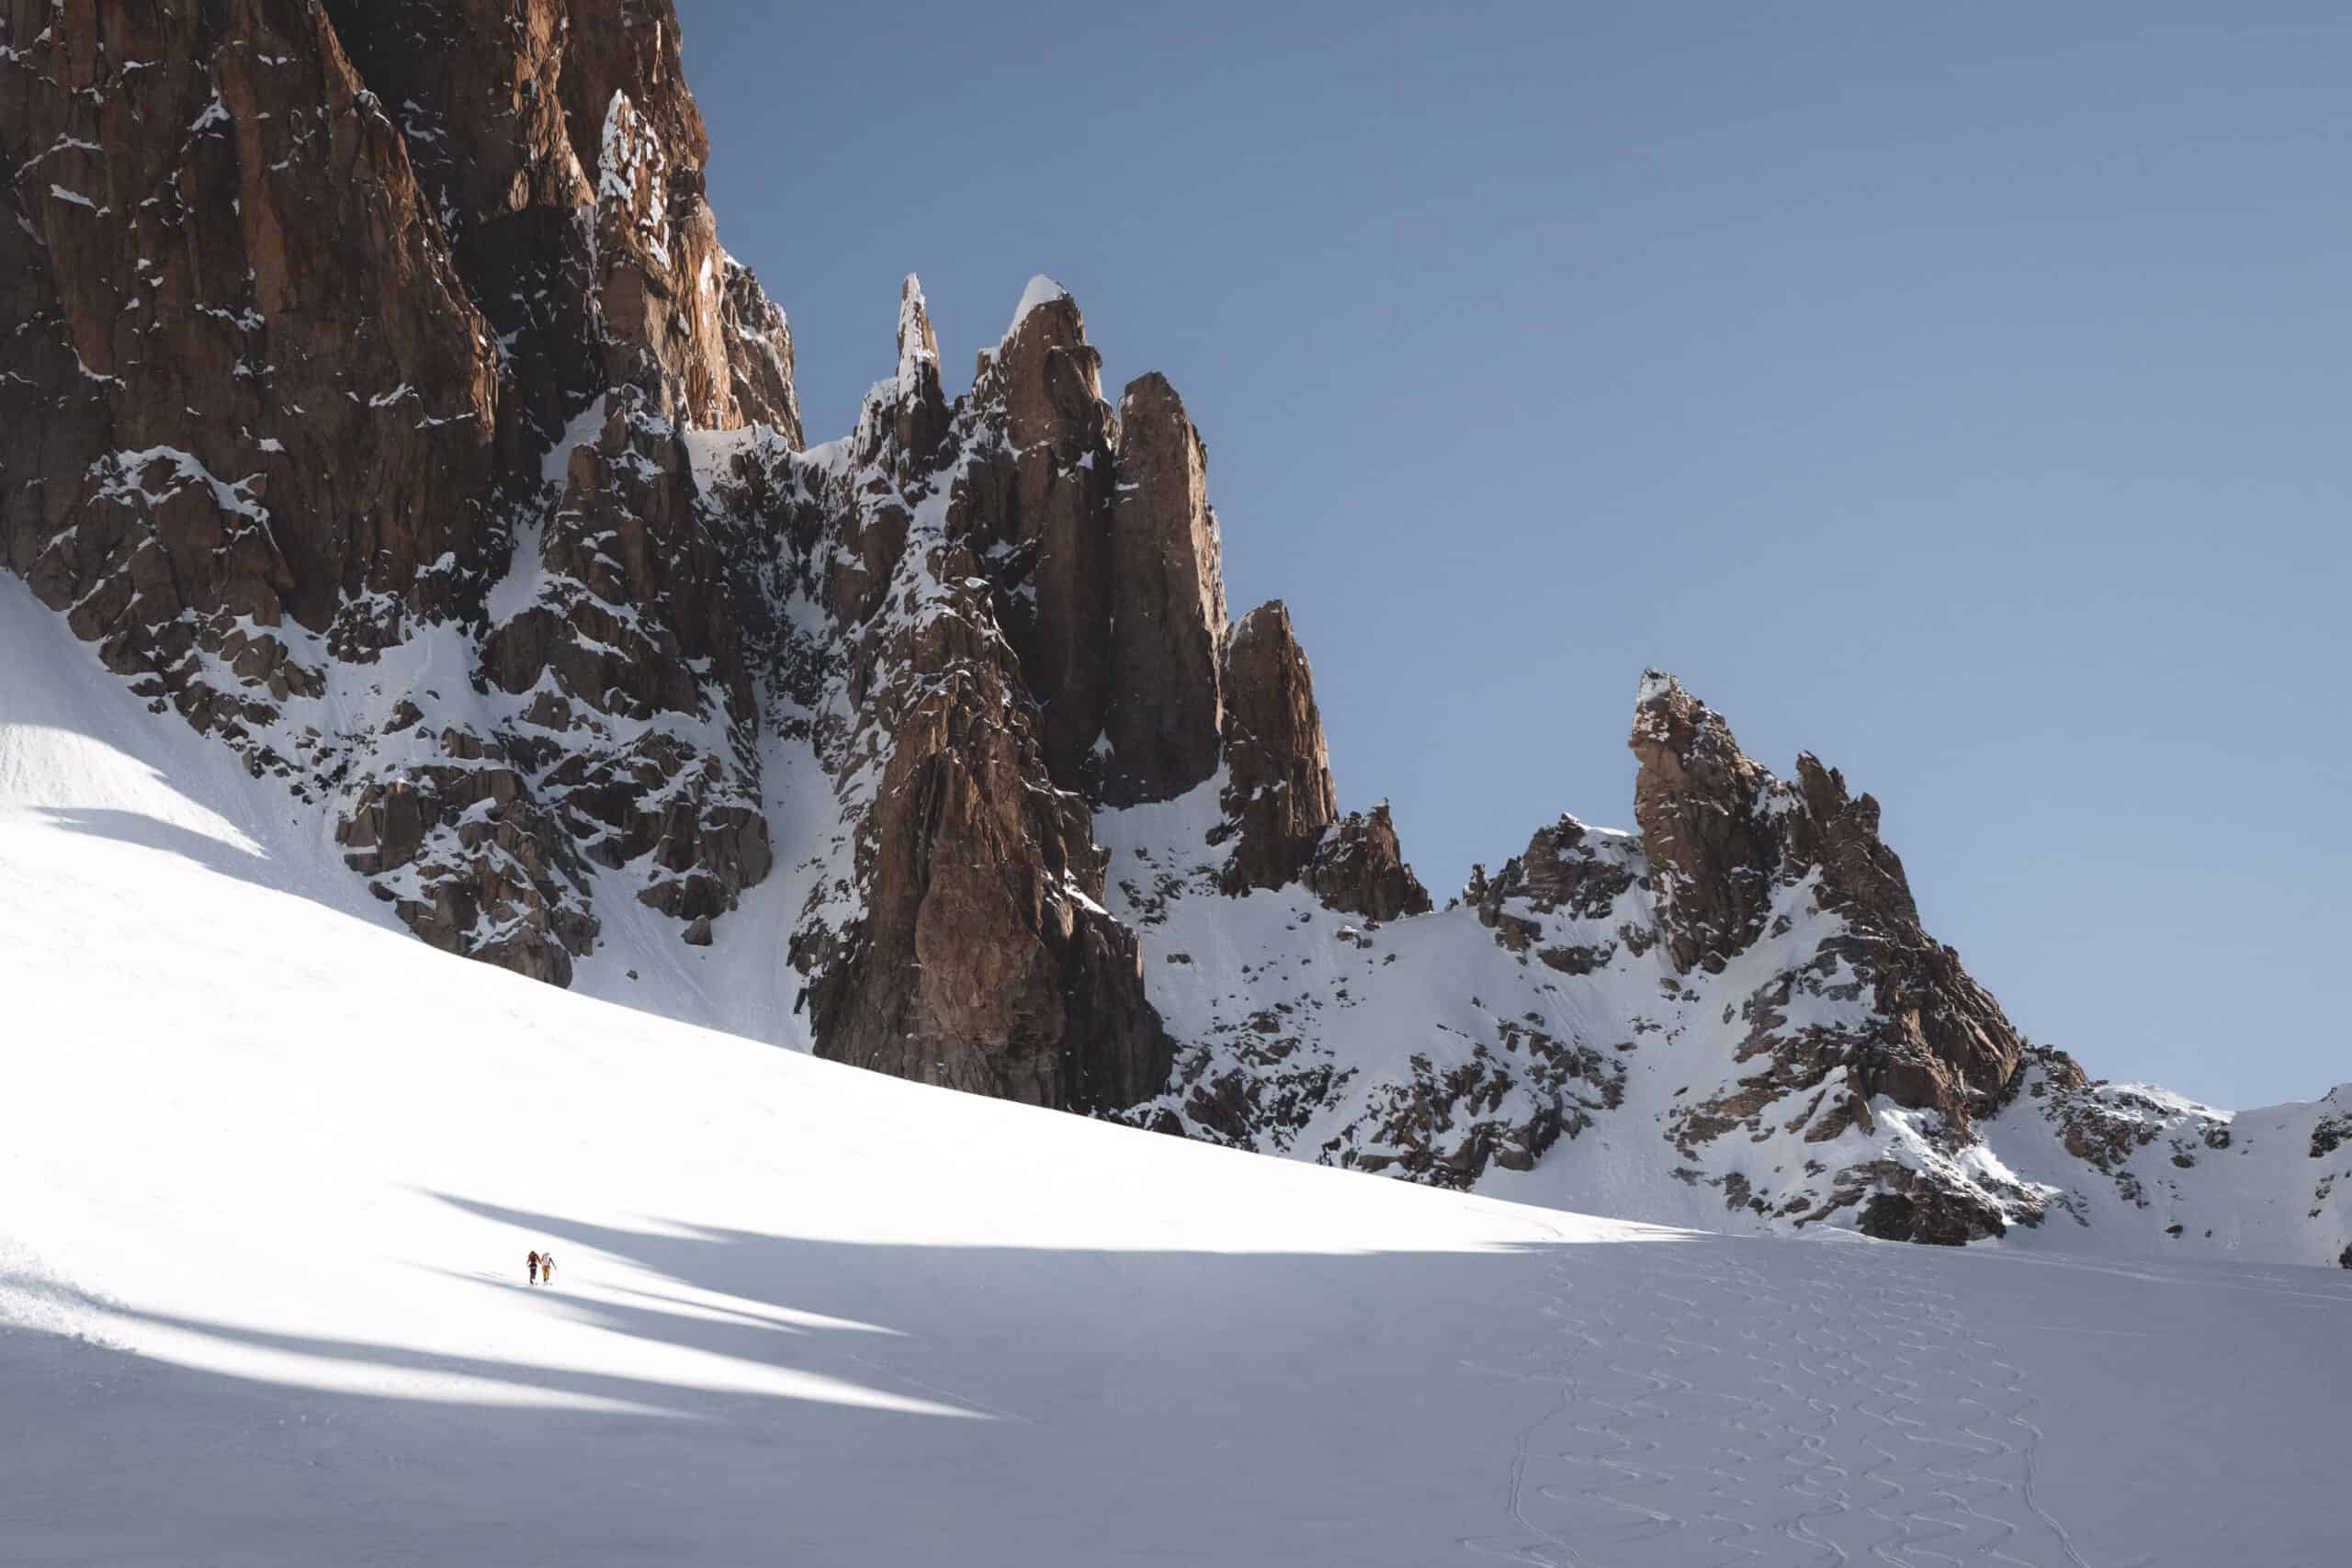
(1960,395)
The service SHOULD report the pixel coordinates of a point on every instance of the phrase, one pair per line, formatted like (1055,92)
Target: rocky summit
(380,402)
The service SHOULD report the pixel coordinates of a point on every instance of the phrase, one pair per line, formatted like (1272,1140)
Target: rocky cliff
(379,398)
(348,341)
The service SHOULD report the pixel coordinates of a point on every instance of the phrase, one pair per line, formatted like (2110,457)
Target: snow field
(268,1169)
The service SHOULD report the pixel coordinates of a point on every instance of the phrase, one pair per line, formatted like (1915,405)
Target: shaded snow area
(269,1168)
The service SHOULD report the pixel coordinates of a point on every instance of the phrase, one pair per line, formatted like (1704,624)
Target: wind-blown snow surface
(268,1168)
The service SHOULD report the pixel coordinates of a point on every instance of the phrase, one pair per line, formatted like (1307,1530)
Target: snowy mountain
(269,1169)
(380,404)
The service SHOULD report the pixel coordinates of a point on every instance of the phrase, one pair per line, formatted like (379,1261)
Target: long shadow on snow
(266,871)
(146,832)
(1006,1301)
(1124,1399)
(1295,1408)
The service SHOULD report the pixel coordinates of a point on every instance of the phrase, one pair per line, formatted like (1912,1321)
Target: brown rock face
(916,413)
(489,139)
(1168,604)
(1036,500)
(567,156)
(972,949)
(1278,795)
(1097,533)
(521,116)
(1724,838)
(245,383)
(1360,869)
(284,359)
(562,154)
(1948,1044)
(1918,1210)
(526,894)
(1703,806)
(638,622)
(1281,813)
(1029,604)
(984,961)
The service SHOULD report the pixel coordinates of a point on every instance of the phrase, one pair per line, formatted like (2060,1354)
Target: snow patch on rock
(1041,290)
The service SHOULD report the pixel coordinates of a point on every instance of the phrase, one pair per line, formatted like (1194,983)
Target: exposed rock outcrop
(1947,1043)
(1168,622)
(1278,797)
(308,350)
(983,959)
(907,413)
(1035,501)
(1724,836)
(249,405)
(1705,812)
(1573,871)
(969,946)
(1359,868)
(523,118)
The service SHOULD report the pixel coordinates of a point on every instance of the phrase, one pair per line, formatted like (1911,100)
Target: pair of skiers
(542,1267)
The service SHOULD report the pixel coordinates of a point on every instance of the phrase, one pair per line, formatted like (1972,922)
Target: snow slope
(268,1166)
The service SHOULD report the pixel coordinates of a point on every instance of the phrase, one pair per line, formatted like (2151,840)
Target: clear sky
(1960,393)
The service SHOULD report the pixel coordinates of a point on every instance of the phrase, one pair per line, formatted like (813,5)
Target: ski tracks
(1726,1401)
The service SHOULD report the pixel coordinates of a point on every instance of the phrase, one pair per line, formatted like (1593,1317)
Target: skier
(547,1267)
(532,1263)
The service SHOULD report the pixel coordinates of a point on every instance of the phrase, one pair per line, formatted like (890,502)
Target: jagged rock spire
(1049,376)
(1168,604)
(1041,290)
(1724,836)
(1713,849)
(980,957)
(521,117)
(1281,811)
(1036,492)
(918,345)
(911,408)
(1278,789)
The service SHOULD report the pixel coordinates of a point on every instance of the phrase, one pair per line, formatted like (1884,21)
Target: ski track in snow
(1713,1412)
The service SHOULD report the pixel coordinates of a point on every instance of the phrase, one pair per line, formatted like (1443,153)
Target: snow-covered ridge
(1535,1041)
